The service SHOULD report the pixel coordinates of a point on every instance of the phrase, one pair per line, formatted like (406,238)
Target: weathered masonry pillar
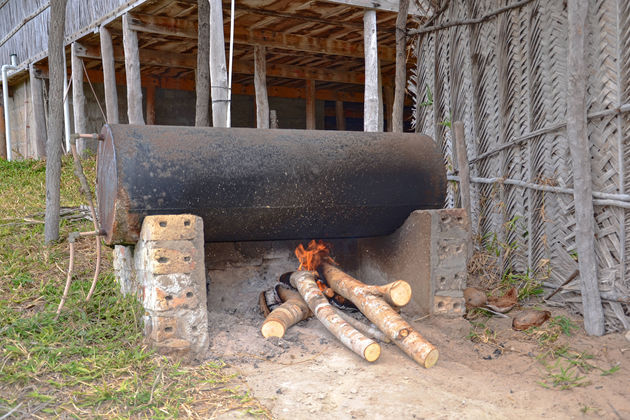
(167,272)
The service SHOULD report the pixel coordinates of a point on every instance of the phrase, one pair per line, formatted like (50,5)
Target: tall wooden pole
(3,144)
(39,114)
(371,96)
(388,98)
(401,67)
(132,70)
(78,99)
(260,85)
(202,76)
(311,123)
(218,68)
(577,134)
(340,117)
(56,64)
(109,76)
(150,103)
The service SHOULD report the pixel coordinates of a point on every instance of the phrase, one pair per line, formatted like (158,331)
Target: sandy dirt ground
(499,373)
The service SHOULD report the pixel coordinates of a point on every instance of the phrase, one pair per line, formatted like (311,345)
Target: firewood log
(370,330)
(382,315)
(365,347)
(397,293)
(292,311)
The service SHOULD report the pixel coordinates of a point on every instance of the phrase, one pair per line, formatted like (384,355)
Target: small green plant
(563,376)
(429,100)
(611,370)
(565,324)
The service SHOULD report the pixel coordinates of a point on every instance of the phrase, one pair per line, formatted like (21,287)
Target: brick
(159,328)
(171,227)
(174,347)
(170,261)
(449,303)
(159,300)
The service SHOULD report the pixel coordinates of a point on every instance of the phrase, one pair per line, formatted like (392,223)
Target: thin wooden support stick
(68,278)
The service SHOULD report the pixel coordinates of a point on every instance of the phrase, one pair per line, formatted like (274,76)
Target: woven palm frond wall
(505,78)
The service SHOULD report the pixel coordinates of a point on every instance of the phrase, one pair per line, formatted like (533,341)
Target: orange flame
(313,255)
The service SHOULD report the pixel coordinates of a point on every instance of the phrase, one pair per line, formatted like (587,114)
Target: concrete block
(449,303)
(171,261)
(429,251)
(159,300)
(159,328)
(169,227)
(124,269)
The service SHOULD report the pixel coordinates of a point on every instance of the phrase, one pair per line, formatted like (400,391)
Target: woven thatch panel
(506,79)
(24,23)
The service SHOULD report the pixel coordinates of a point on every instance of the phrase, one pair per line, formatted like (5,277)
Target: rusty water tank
(250,184)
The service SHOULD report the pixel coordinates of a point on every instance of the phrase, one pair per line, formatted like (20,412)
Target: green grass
(91,362)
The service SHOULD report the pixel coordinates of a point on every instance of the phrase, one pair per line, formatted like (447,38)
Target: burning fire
(313,255)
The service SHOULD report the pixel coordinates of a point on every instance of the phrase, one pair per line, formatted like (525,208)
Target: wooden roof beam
(189,61)
(381,5)
(188,29)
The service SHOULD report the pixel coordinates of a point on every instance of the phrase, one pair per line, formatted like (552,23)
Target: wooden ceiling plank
(188,29)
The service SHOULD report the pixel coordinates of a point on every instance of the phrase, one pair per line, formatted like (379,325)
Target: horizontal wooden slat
(188,29)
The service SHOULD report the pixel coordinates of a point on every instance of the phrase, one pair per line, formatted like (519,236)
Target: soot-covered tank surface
(250,184)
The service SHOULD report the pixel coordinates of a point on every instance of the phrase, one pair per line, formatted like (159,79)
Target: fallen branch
(567,281)
(292,311)
(365,347)
(71,239)
(382,315)
(85,188)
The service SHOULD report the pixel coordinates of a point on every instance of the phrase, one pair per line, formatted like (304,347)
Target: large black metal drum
(250,184)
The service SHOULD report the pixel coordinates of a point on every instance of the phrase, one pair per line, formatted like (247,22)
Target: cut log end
(431,358)
(372,352)
(400,293)
(272,329)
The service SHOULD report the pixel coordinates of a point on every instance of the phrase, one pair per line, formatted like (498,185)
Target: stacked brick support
(166,271)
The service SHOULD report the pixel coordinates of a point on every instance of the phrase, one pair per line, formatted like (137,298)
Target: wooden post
(371,96)
(260,85)
(109,76)
(218,68)
(389,105)
(78,99)
(577,134)
(340,117)
(273,119)
(39,114)
(150,111)
(381,114)
(202,76)
(132,70)
(463,169)
(396,122)
(310,105)
(56,64)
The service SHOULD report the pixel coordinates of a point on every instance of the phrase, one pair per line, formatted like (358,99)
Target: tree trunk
(39,114)
(371,101)
(109,76)
(202,85)
(577,133)
(260,84)
(365,347)
(292,311)
(311,122)
(401,68)
(382,315)
(132,72)
(78,101)
(218,68)
(56,63)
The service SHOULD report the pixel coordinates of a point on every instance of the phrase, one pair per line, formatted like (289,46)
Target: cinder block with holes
(171,283)
(430,252)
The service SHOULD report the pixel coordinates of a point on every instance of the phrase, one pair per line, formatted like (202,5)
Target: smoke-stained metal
(250,184)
